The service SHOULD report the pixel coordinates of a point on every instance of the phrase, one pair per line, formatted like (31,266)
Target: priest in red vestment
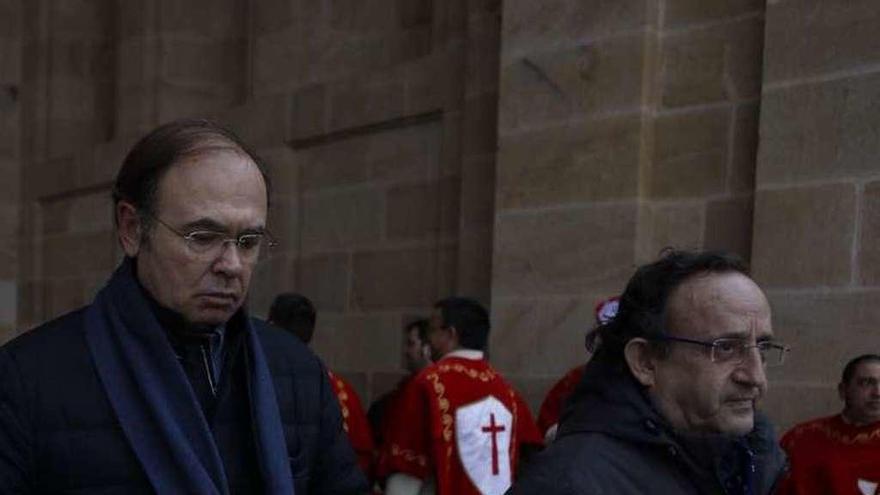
(460,427)
(840,454)
(551,408)
(296,313)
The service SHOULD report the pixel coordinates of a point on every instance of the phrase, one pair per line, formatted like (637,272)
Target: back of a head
(470,319)
(642,310)
(138,179)
(294,313)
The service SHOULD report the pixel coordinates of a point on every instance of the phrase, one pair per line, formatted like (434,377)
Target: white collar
(471,354)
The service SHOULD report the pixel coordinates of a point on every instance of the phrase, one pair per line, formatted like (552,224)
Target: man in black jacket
(667,404)
(164,384)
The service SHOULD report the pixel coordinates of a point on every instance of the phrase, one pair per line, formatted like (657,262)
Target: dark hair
(294,313)
(469,318)
(850,369)
(643,304)
(138,179)
(421,325)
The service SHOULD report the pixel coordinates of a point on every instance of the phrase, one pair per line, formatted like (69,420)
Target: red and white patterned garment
(354,421)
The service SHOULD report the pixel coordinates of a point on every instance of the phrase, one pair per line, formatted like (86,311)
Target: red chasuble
(551,408)
(460,423)
(355,423)
(830,457)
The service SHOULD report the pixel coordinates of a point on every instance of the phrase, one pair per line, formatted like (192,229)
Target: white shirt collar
(471,354)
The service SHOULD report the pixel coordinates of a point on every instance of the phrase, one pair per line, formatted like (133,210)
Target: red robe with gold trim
(551,408)
(451,423)
(355,423)
(829,456)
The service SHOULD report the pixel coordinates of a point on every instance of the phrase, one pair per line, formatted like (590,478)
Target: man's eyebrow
(215,226)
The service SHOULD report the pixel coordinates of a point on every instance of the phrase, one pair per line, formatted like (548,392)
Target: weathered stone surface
(744,149)
(679,13)
(261,121)
(719,63)
(10,62)
(803,237)
(532,389)
(62,296)
(325,280)
(530,25)
(869,255)
(480,124)
(271,276)
(353,15)
(283,223)
(8,258)
(820,131)
(204,17)
(420,211)
(786,406)
(671,225)
(308,110)
(564,251)
(342,219)
(365,101)
(575,80)
(690,154)
(535,336)
(729,225)
(358,342)
(483,55)
(477,203)
(11,14)
(176,101)
(283,170)
(812,37)
(400,278)
(598,160)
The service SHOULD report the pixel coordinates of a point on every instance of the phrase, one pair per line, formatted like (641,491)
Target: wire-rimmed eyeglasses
(734,351)
(211,242)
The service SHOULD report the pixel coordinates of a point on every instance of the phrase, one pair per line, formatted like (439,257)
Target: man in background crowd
(296,314)
(840,454)
(459,428)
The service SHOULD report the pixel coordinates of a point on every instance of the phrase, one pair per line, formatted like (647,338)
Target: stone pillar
(817,209)
(625,126)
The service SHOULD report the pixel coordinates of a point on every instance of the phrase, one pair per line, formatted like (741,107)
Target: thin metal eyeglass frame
(270,240)
(782,349)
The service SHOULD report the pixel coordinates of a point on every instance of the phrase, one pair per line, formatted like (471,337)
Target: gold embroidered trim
(408,455)
(832,434)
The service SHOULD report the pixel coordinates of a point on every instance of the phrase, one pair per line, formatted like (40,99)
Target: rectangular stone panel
(690,153)
(364,101)
(680,13)
(10,61)
(419,211)
(788,403)
(271,276)
(812,37)
(594,161)
(540,335)
(261,121)
(367,342)
(281,166)
(744,148)
(564,250)
(325,279)
(803,237)
(530,25)
(400,278)
(214,18)
(678,225)
(718,63)
(869,239)
(570,81)
(820,131)
(342,219)
(729,225)
(283,223)
(825,329)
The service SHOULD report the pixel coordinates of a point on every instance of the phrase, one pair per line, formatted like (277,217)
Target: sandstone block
(188,60)
(343,219)
(813,37)
(420,211)
(283,223)
(62,296)
(203,17)
(564,251)
(541,336)
(483,54)
(690,154)
(308,111)
(570,81)
(671,225)
(283,170)
(477,210)
(593,161)
(324,279)
(10,61)
(529,25)
(819,131)
(680,13)
(11,15)
(355,16)
(337,163)
(400,278)
(788,403)
(714,64)
(366,342)
(409,154)
(272,275)
(744,149)
(260,122)
(869,255)
(8,259)
(481,124)
(177,101)
(729,225)
(803,237)
(361,101)
(281,60)
(80,17)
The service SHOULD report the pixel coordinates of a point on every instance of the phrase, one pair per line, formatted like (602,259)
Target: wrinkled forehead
(718,305)
(867,369)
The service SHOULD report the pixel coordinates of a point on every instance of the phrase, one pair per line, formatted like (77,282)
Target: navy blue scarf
(156,406)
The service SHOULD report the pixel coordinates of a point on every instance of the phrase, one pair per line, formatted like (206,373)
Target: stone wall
(817,209)
(625,127)
(10,159)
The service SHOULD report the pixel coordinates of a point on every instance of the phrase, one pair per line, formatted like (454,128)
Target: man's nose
(752,371)
(229,262)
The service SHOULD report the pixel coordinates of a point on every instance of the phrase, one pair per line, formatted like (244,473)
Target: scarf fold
(156,406)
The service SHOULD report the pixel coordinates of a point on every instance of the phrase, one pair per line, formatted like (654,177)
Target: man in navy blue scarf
(164,384)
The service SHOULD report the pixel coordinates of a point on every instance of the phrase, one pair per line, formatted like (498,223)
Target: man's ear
(453,336)
(640,359)
(128,226)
